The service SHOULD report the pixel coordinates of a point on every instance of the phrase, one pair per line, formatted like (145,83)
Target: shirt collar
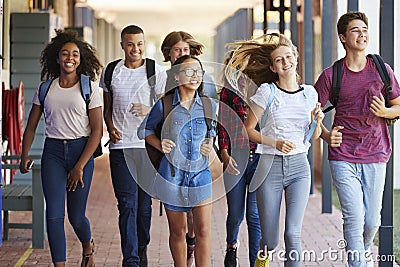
(177,99)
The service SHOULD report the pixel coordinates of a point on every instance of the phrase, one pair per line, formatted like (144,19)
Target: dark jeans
(134,205)
(240,200)
(59,157)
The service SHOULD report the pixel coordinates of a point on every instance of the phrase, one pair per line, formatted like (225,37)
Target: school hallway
(321,237)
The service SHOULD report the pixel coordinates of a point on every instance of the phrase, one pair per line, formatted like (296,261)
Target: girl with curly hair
(73,131)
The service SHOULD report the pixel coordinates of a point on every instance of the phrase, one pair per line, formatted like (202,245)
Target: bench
(25,197)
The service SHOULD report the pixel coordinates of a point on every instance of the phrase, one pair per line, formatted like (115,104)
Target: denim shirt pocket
(177,127)
(200,127)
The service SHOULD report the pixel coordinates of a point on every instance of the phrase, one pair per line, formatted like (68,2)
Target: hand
(335,137)
(115,136)
(24,164)
(206,147)
(138,109)
(230,164)
(284,146)
(75,177)
(378,106)
(167,145)
(317,113)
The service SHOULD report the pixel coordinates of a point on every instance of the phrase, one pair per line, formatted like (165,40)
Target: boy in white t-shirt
(126,104)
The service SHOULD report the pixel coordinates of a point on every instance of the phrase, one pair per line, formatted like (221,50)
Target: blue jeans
(134,204)
(237,203)
(360,190)
(290,174)
(59,157)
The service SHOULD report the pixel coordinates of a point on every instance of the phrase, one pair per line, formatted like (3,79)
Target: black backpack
(156,155)
(150,73)
(383,73)
(86,91)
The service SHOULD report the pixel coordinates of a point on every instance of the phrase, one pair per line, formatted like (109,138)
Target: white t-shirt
(131,86)
(289,116)
(65,110)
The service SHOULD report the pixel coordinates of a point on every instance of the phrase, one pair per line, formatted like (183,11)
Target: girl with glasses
(184,182)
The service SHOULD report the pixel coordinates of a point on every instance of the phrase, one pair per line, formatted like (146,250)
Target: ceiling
(158,17)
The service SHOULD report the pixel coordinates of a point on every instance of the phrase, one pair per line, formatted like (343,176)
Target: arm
(224,114)
(256,112)
(96,125)
(379,109)
(151,123)
(29,136)
(318,115)
(112,131)
(334,137)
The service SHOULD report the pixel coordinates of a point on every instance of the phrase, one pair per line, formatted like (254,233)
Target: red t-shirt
(366,137)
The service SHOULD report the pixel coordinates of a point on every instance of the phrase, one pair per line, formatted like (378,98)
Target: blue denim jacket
(187,130)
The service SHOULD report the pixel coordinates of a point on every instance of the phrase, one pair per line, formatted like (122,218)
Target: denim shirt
(187,130)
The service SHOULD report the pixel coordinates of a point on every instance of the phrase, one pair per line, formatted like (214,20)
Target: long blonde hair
(252,59)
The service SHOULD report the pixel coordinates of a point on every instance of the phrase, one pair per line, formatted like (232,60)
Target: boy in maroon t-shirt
(359,142)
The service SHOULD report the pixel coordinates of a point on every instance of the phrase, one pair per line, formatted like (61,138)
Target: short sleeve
(35,99)
(261,96)
(161,80)
(323,86)
(153,119)
(393,82)
(102,83)
(95,100)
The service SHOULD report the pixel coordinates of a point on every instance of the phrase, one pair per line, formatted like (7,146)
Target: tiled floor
(321,233)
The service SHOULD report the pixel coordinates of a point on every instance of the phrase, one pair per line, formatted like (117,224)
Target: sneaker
(261,260)
(190,255)
(143,256)
(231,259)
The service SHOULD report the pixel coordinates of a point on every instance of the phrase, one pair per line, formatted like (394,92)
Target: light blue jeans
(290,174)
(360,190)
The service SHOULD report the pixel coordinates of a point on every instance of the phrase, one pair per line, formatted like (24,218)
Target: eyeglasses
(192,72)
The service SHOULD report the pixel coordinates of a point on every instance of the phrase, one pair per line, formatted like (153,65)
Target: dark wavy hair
(175,68)
(89,62)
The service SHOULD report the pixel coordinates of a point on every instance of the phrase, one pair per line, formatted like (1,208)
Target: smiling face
(69,58)
(190,74)
(356,36)
(284,61)
(133,46)
(179,49)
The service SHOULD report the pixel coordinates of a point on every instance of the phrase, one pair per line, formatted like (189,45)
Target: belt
(251,154)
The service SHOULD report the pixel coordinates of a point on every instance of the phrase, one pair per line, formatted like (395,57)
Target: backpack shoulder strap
(108,73)
(208,110)
(336,83)
(337,80)
(167,105)
(381,67)
(43,90)
(269,103)
(151,77)
(85,90)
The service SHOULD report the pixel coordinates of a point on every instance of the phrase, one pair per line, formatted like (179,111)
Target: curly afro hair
(89,62)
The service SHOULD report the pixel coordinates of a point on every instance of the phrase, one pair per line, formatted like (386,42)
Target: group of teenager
(265,123)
